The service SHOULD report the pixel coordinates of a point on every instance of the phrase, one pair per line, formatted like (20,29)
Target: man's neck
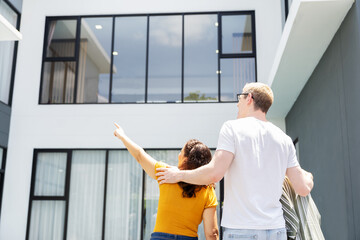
(258,115)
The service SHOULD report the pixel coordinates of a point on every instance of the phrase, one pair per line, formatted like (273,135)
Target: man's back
(253,182)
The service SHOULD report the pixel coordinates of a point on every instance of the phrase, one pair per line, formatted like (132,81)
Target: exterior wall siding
(325,118)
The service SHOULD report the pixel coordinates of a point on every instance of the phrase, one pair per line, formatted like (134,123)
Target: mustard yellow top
(179,215)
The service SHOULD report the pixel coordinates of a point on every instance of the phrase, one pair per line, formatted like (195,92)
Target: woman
(181,206)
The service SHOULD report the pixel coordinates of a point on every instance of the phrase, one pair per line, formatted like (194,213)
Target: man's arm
(301,180)
(207,174)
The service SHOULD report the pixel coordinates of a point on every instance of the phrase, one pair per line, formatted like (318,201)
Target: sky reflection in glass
(129,59)
(165,53)
(200,58)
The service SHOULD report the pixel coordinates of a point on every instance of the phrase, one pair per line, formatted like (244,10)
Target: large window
(93,194)
(154,58)
(7,54)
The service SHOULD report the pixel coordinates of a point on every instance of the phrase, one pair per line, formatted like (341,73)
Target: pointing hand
(119,132)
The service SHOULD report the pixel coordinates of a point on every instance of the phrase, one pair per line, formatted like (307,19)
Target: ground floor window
(93,194)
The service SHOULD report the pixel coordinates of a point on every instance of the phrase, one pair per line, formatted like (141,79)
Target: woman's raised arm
(145,160)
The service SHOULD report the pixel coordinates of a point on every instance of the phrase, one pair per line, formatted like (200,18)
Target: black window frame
(235,55)
(66,196)
(183,14)
(13,66)
(287,6)
(2,174)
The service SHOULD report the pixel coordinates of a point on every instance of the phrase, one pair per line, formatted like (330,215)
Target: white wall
(91,126)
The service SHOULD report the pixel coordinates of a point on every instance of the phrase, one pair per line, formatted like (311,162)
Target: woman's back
(179,211)
(181,215)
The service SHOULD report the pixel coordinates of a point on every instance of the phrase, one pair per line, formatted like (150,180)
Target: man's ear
(249,98)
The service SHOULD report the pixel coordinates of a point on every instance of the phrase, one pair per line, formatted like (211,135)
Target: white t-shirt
(253,182)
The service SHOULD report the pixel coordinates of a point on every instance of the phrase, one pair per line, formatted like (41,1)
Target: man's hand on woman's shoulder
(168,174)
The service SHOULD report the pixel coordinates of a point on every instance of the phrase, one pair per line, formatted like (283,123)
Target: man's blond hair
(262,94)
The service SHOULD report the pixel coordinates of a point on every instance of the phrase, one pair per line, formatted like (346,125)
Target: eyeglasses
(245,94)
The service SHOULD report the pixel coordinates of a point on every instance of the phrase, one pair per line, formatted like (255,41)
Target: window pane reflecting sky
(165,52)
(129,59)
(200,63)
(236,34)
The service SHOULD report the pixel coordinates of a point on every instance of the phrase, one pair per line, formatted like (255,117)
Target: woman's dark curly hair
(196,155)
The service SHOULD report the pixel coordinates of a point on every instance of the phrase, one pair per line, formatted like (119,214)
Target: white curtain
(47,220)
(123,200)
(152,192)
(243,72)
(47,217)
(58,82)
(50,174)
(81,93)
(86,195)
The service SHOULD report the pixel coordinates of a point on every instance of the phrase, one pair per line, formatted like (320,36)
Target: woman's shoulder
(160,164)
(208,190)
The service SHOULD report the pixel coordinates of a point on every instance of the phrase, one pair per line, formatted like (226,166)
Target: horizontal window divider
(62,18)
(46,150)
(60,59)
(151,14)
(222,101)
(237,13)
(122,103)
(242,55)
(64,40)
(48,198)
(102,149)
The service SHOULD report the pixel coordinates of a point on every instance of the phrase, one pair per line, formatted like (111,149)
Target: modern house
(167,72)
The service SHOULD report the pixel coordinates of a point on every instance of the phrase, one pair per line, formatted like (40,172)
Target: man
(254,155)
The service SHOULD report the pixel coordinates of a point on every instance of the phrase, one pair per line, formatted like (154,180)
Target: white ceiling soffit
(7,31)
(308,31)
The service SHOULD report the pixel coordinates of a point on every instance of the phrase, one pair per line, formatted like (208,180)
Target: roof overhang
(307,33)
(7,31)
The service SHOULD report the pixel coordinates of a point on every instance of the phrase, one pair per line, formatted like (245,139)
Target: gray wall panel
(315,120)
(350,49)
(325,118)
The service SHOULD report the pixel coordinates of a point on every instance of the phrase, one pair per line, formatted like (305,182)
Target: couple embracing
(252,155)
